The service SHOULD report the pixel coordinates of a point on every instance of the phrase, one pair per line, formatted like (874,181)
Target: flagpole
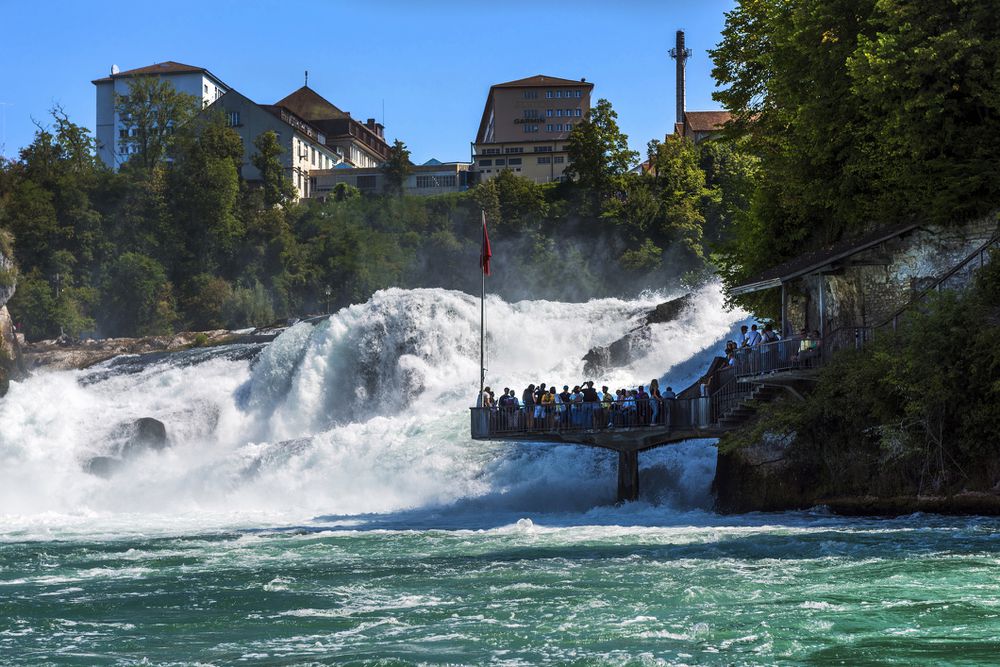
(482,323)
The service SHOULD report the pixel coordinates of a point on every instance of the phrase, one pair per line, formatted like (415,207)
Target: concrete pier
(628,442)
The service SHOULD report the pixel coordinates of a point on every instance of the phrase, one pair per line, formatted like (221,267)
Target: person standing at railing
(753,338)
(590,401)
(668,403)
(655,400)
(548,407)
(528,403)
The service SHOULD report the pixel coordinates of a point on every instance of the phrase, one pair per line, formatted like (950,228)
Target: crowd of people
(584,406)
(545,407)
(800,348)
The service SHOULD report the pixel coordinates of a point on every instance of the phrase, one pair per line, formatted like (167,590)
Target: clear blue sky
(431,64)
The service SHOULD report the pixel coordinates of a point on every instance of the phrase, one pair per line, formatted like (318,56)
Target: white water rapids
(366,412)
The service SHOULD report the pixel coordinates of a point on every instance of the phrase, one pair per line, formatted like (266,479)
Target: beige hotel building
(525,126)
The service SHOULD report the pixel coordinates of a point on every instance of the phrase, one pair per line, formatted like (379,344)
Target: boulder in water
(144,434)
(103,466)
(631,346)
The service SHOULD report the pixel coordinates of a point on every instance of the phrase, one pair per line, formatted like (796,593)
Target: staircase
(743,411)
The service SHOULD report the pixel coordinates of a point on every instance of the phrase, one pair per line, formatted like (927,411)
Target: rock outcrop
(129,440)
(630,346)
(68,355)
(11,364)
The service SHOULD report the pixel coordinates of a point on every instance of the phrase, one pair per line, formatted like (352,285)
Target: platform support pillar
(628,476)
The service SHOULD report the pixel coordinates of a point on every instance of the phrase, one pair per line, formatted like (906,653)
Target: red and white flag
(485,253)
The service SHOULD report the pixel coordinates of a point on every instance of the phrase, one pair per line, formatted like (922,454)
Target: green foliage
(862,113)
(249,306)
(397,168)
(345,191)
(149,115)
(278,188)
(599,155)
(200,340)
(139,297)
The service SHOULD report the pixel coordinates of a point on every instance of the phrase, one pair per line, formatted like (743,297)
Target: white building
(430,178)
(195,81)
(305,149)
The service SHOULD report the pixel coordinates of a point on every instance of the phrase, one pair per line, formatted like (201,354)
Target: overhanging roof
(814,260)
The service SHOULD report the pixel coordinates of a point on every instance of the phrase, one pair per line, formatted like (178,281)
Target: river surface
(320,502)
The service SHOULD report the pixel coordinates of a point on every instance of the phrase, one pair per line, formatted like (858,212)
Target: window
(548,94)
(426,182)
(578,94)
(558,127)
(530,113)
(577,114)
(559,159)
(543,149)
(123,133)
(206,89)
(545,160)
(234,118)
(515,149)
(548,128)
(486,163)
(531,94)
(569,127)
(559,94)
(559,112)
(530,128)
(367,182)
(548,113)
(500,162)
(313,157)
(514,161)
(491,151)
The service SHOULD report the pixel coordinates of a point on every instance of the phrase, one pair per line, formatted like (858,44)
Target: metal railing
(666,414)
(782,355)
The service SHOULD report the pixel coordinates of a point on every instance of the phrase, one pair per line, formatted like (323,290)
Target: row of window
(500,162)
(437,181)
(549,127)
(549,113)
(553,94)
(515,150)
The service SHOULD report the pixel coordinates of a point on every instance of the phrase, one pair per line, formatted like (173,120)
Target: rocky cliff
(11,365)
(630,346)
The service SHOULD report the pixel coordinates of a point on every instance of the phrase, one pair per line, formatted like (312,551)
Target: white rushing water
(366,412)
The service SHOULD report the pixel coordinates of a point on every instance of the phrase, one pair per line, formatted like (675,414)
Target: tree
(598,154)
(397,168)
(204,192)
(138,298)
(149,115)
(278,188)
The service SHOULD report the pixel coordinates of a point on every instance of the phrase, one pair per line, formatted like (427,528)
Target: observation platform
(720,401)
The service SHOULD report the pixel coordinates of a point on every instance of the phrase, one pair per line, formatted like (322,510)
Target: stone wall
(872,285)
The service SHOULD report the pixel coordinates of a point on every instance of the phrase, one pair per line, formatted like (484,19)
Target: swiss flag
(485,253)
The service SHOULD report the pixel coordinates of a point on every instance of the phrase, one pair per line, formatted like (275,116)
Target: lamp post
(328,292)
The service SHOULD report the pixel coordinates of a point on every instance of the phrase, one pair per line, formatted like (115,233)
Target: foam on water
(364,413)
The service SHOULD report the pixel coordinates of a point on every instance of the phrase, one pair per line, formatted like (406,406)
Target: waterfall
(366,412)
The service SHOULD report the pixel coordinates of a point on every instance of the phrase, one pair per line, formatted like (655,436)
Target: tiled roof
(706,121)
(310,105)
(166,67)
(540,80)
(812,260)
